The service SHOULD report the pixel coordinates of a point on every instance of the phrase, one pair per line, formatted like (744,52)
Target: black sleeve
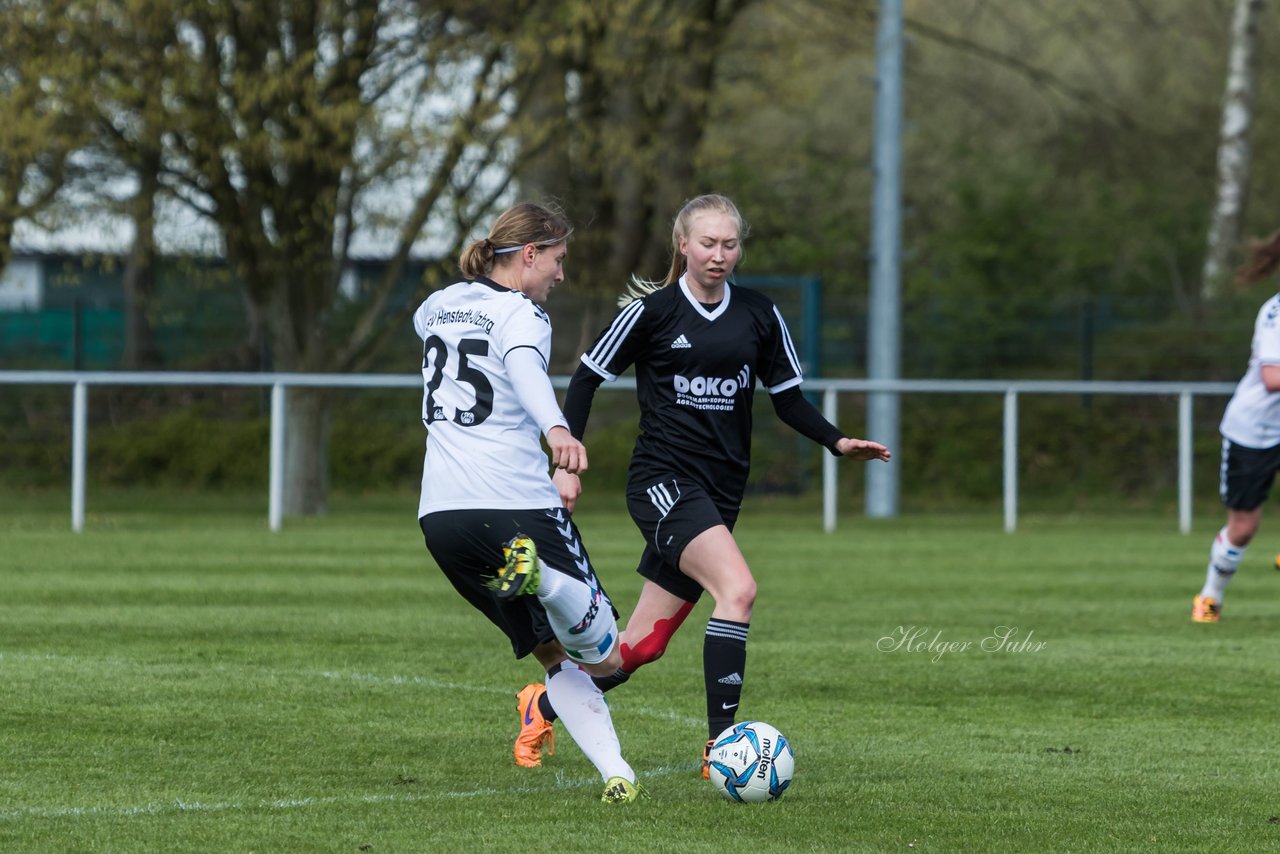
(577,400)
(802,416)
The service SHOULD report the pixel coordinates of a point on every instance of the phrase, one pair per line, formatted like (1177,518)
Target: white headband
(504,250)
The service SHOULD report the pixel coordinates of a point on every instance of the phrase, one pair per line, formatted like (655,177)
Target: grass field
(187,681)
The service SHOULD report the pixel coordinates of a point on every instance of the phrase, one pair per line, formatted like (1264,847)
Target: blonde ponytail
(639,288)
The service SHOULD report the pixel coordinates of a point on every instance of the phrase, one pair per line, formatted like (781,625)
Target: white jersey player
(1250,430)
(489,513)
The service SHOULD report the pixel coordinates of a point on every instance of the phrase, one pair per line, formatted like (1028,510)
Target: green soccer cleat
(520,574)
(620,790)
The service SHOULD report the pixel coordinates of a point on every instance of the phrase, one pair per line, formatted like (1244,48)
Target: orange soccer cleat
(536,731)
(1206,609)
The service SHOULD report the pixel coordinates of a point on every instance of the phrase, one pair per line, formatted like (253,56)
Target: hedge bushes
(1073,451)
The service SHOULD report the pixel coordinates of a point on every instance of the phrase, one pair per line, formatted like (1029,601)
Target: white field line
(365,678)
(420,681)
(560,783)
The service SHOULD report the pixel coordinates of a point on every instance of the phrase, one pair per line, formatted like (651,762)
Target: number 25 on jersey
(435,359)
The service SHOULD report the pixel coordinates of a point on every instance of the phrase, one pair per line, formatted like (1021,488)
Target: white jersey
(484,450)
(1252,417)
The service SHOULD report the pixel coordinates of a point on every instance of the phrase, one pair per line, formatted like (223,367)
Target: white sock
(565,598)
(1224,560)
(585,714)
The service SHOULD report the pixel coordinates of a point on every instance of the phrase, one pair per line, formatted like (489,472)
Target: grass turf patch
(190,682)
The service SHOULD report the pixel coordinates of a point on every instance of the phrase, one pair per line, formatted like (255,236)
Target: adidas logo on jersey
(681,343)
(732,679)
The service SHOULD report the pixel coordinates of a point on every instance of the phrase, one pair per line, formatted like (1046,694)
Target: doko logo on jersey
(710,392)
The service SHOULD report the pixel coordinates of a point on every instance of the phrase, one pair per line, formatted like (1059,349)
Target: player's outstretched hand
(566,452)
(861,449)
(569,486)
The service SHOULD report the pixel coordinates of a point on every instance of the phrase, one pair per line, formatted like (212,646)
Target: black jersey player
(698,344)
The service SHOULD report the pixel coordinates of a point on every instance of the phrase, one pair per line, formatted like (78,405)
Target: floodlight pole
(884,314)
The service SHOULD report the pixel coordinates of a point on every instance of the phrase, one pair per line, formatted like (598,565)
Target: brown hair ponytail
(1263,260)
(541,225)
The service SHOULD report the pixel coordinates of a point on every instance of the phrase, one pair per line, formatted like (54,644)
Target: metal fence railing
(830,389)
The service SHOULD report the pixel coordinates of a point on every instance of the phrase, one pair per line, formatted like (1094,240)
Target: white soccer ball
(751,762)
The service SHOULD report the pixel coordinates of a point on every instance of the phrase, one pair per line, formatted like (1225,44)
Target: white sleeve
(533,388)
(1266,337)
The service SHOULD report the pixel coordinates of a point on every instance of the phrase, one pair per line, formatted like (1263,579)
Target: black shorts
(670,512)
(1246,475)
(467,545)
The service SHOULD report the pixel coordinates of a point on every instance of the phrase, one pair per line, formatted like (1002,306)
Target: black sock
(613,680)
(604,683)
(724,661)
(544,706)
(544,699)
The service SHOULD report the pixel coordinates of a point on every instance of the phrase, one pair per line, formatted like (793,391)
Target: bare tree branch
(1039,77)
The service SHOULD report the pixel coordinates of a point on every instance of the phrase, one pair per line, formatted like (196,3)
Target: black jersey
(696,370)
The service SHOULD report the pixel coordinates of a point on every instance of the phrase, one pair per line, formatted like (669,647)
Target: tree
(321,107)
(297,127)
(789,131)
(1234,156)
(304,130)
(619,113)
(39,89)
(127,119)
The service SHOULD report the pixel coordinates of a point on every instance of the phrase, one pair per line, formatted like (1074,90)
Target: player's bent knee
(608,667)
(737,600)
(599,651)
(612,661)
(549,654)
